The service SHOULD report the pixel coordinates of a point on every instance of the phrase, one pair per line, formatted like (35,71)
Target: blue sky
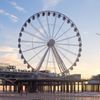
(84,13)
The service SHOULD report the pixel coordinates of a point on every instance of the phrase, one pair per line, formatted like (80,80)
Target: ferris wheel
(49,40)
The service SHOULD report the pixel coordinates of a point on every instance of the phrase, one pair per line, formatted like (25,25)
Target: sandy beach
(50,96)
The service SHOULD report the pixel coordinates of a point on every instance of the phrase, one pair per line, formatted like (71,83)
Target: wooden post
(78,83)
(67,87)
(74,87)
(3,88)
(82,86)
(71,87)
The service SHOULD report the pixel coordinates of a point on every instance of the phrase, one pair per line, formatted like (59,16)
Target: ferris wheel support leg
(57,60)
(42,60)
(64,71)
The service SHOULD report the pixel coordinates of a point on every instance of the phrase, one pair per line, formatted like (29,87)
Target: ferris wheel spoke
(25,41)
(59,30)
(62,34)
(37,30)
(33,48)
(65,57)
(74,36)
(42,27)
(48,26)
(29,33)
(67,50)
(47,59)
(54,26)
(42,60)
(67,44)
(36,54)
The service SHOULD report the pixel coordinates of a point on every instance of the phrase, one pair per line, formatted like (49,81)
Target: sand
(50,96)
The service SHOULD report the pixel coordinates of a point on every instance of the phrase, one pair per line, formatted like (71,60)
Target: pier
(12,81)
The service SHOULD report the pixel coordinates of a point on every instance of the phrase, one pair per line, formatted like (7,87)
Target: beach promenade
(50,96)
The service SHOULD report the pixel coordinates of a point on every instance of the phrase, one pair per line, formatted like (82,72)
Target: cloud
(12,59)
(9,58)
(9,55)
(5,49)
(50,3)
(14,18)
(17,7)
(11,16)
(2,11)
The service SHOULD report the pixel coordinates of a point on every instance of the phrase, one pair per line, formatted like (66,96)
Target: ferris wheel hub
(51,43)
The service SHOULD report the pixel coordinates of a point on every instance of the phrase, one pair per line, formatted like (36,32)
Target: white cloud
(11,16)
(14,18)
(17,7)
(2,11)
(5,49)
(12,59)
(9,55)
(50,3)
(9,58)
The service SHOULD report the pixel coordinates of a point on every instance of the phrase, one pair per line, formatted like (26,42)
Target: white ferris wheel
(49,40)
